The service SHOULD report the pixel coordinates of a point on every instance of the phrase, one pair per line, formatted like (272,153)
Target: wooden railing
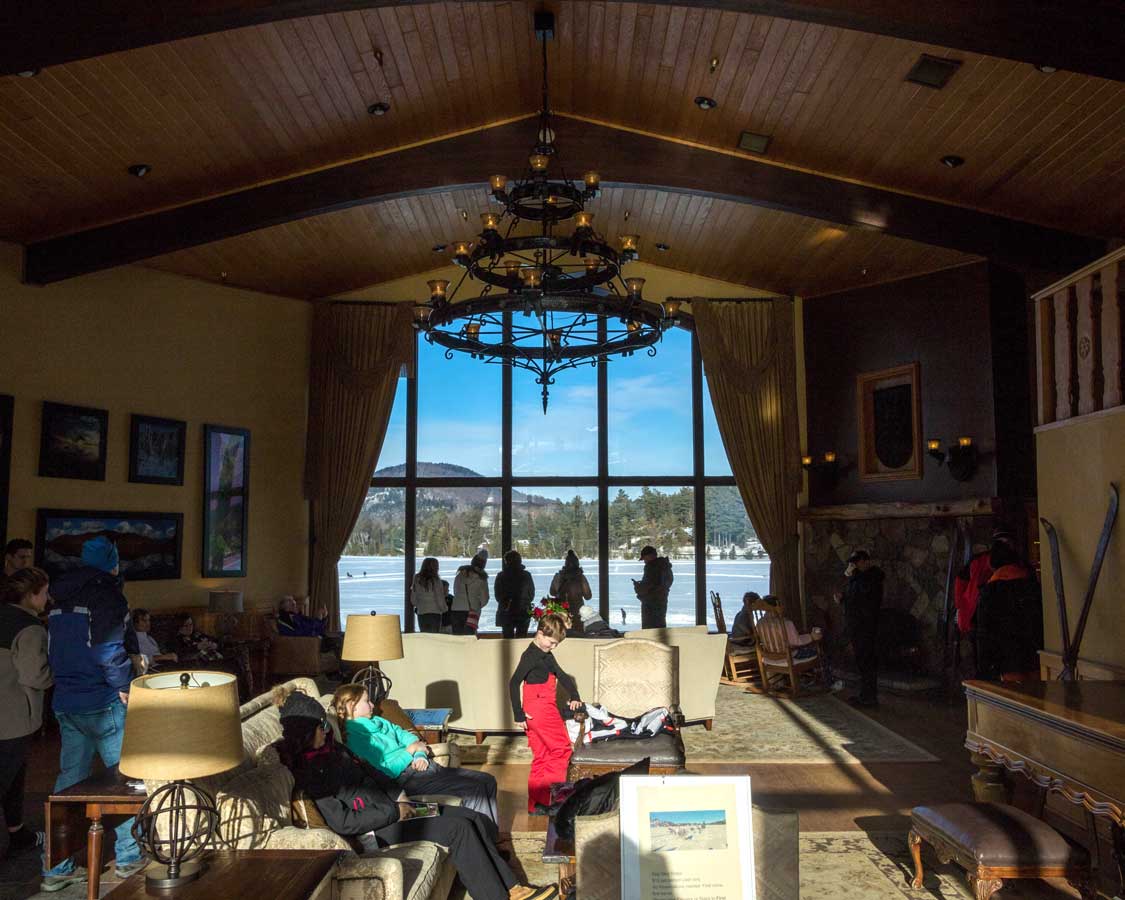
(1079,341)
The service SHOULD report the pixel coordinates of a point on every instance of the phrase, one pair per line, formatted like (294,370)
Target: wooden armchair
(775,655)
(740,664)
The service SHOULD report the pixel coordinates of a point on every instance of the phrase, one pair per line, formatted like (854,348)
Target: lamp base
(375,680)
(157,877)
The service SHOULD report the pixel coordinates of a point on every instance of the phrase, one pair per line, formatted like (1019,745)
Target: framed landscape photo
(890,424)
(156,450)
(7,405)
(150,545)
(226,496)
(686,837)
(72,442)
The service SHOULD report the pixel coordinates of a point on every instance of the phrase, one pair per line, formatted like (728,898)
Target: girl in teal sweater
(400,755)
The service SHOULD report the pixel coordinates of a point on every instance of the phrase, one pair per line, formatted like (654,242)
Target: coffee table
(67,812)
(277,874)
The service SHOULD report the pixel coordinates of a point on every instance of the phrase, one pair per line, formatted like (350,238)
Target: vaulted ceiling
(224,112)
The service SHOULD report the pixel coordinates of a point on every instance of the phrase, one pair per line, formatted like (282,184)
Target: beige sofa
(471,675)
(254,813)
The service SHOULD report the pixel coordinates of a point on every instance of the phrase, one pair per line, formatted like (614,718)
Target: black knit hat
(301,706)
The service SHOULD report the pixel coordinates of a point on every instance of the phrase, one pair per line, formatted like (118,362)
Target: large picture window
(628,454)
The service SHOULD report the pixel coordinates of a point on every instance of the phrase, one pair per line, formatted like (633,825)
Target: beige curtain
(750,361)
(358,351)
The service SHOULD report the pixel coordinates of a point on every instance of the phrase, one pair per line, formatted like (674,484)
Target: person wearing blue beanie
(87,653)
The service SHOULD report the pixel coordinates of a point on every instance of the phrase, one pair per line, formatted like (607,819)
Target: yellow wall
(1077,461)
(134,340)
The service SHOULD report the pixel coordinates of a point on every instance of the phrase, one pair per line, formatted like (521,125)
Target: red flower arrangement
(552,605)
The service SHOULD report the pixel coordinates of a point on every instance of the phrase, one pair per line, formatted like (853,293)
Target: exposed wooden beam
(624,158)
(1079,35)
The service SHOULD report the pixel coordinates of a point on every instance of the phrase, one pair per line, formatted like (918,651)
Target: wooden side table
(277,874)
(432,724)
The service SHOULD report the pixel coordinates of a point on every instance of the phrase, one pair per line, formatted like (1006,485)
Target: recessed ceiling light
(139,170)
(952,161)
(1047,70)
(706,103)
(662,247)
(438,248)
(29,73)
(754,143)
(379,109)
(627,214)
(714,64)
(933,71)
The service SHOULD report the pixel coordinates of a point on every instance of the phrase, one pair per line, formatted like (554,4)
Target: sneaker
(24,839)
(52,883)
(129,869)
(836,686)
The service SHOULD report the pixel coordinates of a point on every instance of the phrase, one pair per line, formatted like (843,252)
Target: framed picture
(150,544)
(226,496)
(890,424)
(686,837)
(156,450)
(7,405)
(72,442)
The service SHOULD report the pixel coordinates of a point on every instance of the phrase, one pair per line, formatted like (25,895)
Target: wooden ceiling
(220,112)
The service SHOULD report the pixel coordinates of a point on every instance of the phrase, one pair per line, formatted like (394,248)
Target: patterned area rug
(755,728)
(844,865)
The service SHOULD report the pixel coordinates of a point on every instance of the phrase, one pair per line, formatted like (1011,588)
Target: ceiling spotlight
(1046,70)
(714,64)
(438,248)
(706,103)
(379,109)
(29,73)
(662,247)
(626,215)
(952,161)
(139,170)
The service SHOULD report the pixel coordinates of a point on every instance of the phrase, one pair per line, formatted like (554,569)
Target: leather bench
(994,842)
(665,753)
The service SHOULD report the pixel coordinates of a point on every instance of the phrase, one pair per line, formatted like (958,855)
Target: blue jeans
(84,734)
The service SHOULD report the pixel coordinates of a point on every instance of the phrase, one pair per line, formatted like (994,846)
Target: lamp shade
(175,733)
(225,601)
(372,638)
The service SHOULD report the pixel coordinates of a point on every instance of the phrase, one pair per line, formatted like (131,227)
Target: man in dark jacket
(291,623)
(652,589)
(86,640)
(1009,618)
(515,596)
(863,596)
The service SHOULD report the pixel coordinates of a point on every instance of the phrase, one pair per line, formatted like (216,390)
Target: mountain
(458,498)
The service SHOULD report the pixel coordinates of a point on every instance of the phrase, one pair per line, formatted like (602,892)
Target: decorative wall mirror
(890,424)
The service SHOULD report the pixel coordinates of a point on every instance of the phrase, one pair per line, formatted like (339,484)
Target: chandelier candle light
(556,271)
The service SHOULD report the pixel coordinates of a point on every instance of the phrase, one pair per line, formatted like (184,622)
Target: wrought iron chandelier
(566,279)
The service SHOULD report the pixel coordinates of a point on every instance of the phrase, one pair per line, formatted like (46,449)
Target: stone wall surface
(914,554)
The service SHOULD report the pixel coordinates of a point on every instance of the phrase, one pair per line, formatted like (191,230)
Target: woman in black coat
(359,802)
(1009,619)
(515,596)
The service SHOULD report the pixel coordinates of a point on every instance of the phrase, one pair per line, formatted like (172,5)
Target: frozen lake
(376,583)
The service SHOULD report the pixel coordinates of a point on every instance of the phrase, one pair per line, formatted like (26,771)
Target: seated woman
(743,630)
(359,802)
(192,645)
(146,643)
(400,756)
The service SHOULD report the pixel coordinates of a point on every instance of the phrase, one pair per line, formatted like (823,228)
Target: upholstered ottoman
(665,753)
(993,842)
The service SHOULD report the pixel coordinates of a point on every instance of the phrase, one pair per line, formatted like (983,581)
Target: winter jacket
(86,640)
(657,579)
(863,596)
(354,799)
(429,600)
(515,595)
(470,589)
(24,674)
(571,585)
(382,744)
(966,589)
(296,625)
(1009,623)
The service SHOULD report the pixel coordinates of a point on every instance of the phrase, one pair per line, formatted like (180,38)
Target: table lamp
(179,725)
(371,639)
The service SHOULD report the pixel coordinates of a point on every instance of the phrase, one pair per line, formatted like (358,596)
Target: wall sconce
(963,457)
(827,467)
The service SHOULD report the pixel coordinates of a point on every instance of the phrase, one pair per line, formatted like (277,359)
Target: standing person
(652,589)
(17,555)
(1009,618)
(515,596)
(470,595)
(24,678)
(537,713)
(570,584)
(427,596)
(92,673)
(404,758)
(862,598)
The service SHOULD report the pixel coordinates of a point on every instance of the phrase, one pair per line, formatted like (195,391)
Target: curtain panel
(750,360)
(358,351)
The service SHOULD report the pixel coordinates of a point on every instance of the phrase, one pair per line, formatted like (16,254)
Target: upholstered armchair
(297,656)
(632,676)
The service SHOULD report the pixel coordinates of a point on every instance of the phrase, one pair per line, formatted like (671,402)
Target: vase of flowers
(553,605)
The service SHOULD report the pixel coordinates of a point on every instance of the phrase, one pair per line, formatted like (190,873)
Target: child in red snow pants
(547,736)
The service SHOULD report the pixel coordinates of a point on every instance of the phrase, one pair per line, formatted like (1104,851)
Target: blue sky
(649,417)
(702,816)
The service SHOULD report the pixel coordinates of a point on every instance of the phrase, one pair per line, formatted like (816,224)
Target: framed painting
(890,424)
(7,405)
(156,450)
(226,496)
(150,545)
(72,442)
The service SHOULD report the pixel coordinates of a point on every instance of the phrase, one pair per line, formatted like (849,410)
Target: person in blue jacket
(86,632)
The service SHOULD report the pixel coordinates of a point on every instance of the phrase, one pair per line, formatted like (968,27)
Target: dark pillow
(592,797)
